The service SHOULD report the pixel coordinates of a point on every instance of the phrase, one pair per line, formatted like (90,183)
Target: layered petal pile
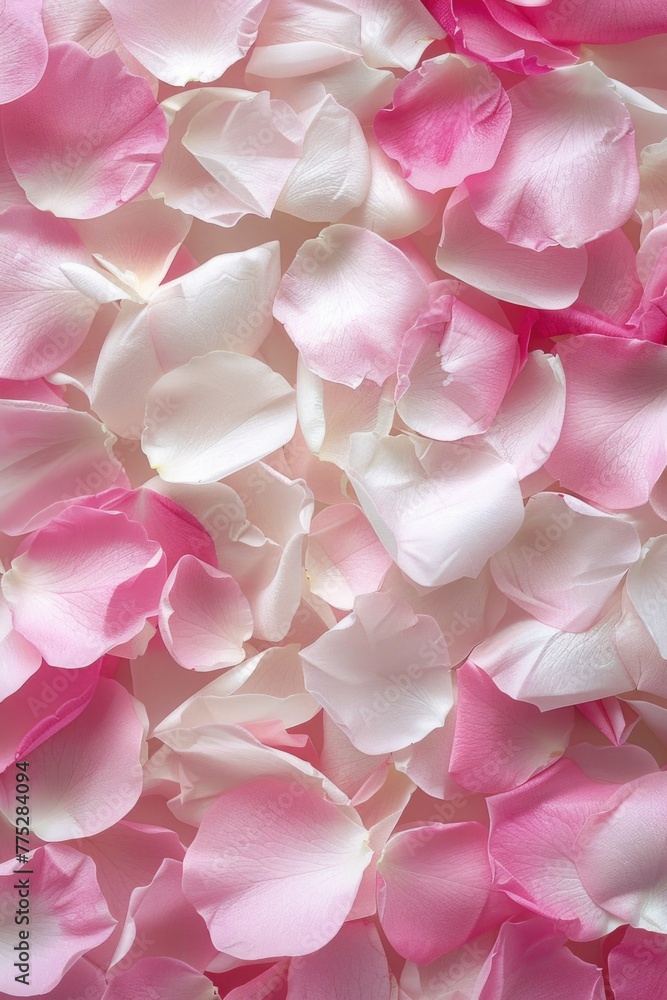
(333,499)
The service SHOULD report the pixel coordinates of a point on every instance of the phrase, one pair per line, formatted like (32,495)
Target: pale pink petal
(549,668)
(615,719)
(638,965)
(621,854)
(249,146)
(381,674)
(330,412)
(83,584)
(528,959)
(451,977)
(500,743)
(351,967)
(49,454)
(612,285)
(126,856)
(377,295)
(528,423)
(83,979)
(226,304)
(533,847)
(11,192)
(392,208)
(24,48)
(181,42)
(140,264)
(334,171)
(266,687)
(567,172)
(647,591)
(395,32)
(448,119)
(299,37)
(88,775)
(433,885)
(625,380)
(204,617)
(20,659)
(46,314)
(345,558)
(454,370)
(427,762)
(439,508)
(160,921)
(68,917)
(166,978)
(195,434)
(88,138)
(308,868)
(566,561)
(467,610)
(550,279)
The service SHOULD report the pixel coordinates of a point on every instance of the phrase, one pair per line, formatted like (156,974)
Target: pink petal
(528,423)
(433,885)
(204,617)
(83,584)
(625,379)
(568,124)
(310,869)
(456,973)
(49,454)
(625,872)
(533,847)
(439,508)
(23,46)
(351,967)
(47,702)
(528,959)
(181,43)
(550,279)
(46,316)
(447,120)
(160,921)
(638,966)
(378,295)
(177,531)
(77,167)
(615,719)
(199,435)
(381,674)
(88,775)
(622,21)
(126,856)
(166,978)
(612,285)
(68,916)
(454,370)
(500,743)
(566,561)
(345,558)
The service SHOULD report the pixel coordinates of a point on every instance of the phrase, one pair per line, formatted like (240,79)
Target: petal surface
(103,141)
